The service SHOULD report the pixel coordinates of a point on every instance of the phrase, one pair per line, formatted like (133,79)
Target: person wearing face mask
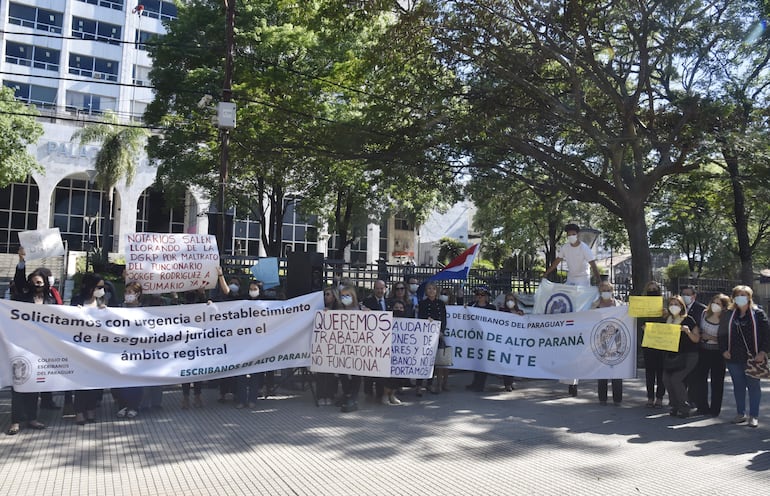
(607,299)
(373,387)
(398,293)
(326,383)
(653,359)
(92,293)
(24,405)
(579,258)
(248,386)
(678,365)
(743,333)
(128,399)
(432,308)
(412,285)
(711,363)
(482,295)
(510,305)
(230,290)
(351,384)
(695,310)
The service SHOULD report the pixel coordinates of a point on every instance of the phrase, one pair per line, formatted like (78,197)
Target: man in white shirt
(579,258)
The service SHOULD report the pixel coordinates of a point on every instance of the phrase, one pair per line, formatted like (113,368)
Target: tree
(119,147)
(18,129)
(595,99)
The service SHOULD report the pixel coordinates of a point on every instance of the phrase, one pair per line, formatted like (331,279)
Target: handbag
(443,357)
(674,361)
(754,368)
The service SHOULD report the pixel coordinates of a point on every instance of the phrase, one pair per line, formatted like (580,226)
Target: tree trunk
(641,261)
(741,219)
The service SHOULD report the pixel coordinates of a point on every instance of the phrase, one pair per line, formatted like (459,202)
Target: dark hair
(88,284)
(572,227)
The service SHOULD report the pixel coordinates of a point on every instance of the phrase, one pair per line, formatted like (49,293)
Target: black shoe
(349,406)
(673,412)
(573,390)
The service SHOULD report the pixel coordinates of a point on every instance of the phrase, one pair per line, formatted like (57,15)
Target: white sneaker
(739,419)
(753,422)
(132,413)
(393,400)
(122,412)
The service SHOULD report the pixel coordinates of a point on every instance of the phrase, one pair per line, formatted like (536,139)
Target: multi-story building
(76,59)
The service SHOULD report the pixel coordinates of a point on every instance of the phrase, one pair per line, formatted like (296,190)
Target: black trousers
(710,364)
(653,373)
(23,407)
(617,390)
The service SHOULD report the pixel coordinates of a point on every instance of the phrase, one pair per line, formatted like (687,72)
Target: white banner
(563,298)
(595,344)
(373,344)
(59,348)
(42,243)
(172,262)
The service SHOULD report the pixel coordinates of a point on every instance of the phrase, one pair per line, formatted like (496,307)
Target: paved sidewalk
(535,440)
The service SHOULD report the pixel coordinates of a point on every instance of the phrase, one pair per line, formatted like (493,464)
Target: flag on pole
(456,269)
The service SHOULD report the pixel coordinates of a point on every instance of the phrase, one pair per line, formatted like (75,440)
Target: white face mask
(51,280)
(254,293)
(346,300)
(130,298)
(572,239)
(687,299)
(741,300)
(444,298)
(606,295)
(716,308)
(510,304)
(675,310)
(413,287)
(98,292)
(234,288)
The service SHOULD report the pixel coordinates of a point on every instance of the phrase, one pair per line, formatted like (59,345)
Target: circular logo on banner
(558,303)
(611,341)
(21,370)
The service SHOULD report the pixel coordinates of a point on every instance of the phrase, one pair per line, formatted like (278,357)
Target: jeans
(742,382)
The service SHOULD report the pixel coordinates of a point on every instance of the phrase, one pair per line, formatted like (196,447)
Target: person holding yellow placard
(678,365)
(653,359)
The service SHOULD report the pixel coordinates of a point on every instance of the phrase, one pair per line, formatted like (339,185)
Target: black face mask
(39,289)
(399,313)
(654,293)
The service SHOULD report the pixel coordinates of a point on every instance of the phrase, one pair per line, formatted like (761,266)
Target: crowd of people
(716,337)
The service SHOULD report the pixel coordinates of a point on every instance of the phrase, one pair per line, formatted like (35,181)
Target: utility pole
(226,120)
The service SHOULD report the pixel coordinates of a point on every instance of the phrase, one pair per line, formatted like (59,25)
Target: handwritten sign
(414,345)
(42,243)
(645,306)
(352,342)
(166,262)
(661,336)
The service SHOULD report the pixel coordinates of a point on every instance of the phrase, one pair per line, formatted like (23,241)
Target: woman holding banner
(653,359)
(24,405)
(431,307)
(678,365)
(326,383)
(607,299)
(351,384)
(129,398)
(91,294)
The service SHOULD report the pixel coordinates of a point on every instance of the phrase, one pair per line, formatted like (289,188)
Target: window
(402,223)
(159,10)
(41,96)
(141,75)
(77,213)
(18,212)
(32,56)
(96,30)
(32,17)
(143,37)
(89,103)
(110,4)
(299,230)
(154,214)
(96,68)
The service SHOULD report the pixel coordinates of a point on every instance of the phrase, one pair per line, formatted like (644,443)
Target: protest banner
(60,348)
(594,344)
(171,262)
(352,342)
(660,336)
(42,243)
(414,345)
(552,298)
(645,306)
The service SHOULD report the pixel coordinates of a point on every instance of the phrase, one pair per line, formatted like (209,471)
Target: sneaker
(753,422)
(509,388)
(122,412)
(385,400)
(393,400)
(132,413)
(739,419)
(349,406)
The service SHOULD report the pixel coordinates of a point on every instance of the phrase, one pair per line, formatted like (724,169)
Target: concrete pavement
(535,440)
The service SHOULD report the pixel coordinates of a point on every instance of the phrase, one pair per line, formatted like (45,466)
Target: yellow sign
(661,336)
(645,306)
